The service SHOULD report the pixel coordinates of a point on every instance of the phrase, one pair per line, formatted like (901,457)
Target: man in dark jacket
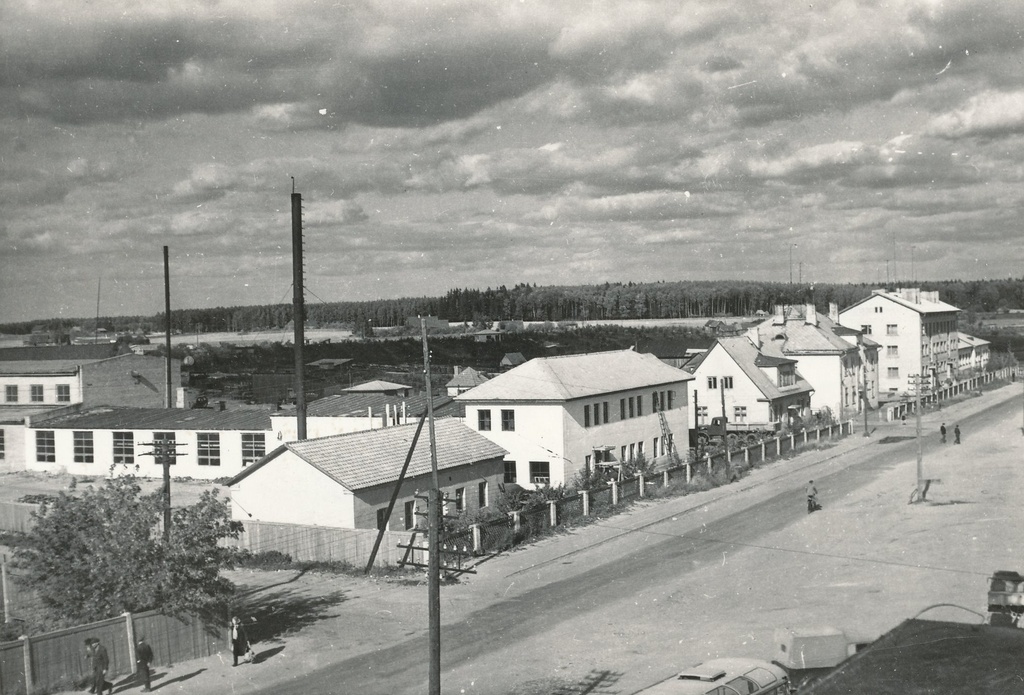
(100,665)
(143,657)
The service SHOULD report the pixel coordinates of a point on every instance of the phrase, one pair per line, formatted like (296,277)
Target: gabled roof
(746,356)
(564,378)
(971,341)
(366,459)
(925,307)
(797,337)
(513,358)
(248,420)
(467,378)
(74,353)
(377,386)
(328,362)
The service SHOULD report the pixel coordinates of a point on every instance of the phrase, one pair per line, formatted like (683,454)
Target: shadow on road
(594,683)
(285,612)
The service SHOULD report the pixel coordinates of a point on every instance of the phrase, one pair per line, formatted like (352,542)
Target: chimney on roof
(810,315)
(754,336)
(780,315)
(457,369)
(833,312)
(932,297)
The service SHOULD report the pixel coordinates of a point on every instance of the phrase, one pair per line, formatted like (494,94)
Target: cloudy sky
(442,144)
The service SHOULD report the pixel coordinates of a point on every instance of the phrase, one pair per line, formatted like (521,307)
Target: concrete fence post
(778,447)
(553,513)
(586,502)
(746,454)
(762,451)
(709,464)
(641,483)
(689,472)
(615,492)
(805,436)
(516,525)
(129,628)
(664,477)
(26,655)
(478,545)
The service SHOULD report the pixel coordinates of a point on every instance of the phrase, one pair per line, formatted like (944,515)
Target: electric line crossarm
(164,452)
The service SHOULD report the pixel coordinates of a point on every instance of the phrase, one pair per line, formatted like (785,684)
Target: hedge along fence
(56,660)
(494,536)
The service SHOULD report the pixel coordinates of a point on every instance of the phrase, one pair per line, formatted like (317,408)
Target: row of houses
(540,423)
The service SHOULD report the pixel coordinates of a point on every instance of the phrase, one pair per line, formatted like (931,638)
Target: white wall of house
(556,432)
(102,457)
(12,457)
(309,497)
(743,394)
(285,426)
(41,389)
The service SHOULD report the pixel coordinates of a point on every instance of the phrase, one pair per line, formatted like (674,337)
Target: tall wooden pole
(165,460)
(298,313)
(433,529)
(920,457)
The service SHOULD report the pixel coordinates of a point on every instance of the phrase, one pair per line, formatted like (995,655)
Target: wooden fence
(895,411)
(56,660)
(17,516)
(320,543)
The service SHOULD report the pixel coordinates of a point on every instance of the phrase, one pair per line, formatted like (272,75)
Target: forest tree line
(526,302)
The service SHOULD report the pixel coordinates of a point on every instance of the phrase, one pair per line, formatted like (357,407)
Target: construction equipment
(721,430)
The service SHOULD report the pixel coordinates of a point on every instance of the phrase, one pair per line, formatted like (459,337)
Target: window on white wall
(726,382)
(254,447)
(540,472)
(35,393)
(208,448)
(46,446)
(63,393)
(739,413)
(83,447)
(124,447)
(11,393)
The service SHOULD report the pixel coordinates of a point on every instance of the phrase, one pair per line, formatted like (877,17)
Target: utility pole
(167,328)
(164,451)
(864,386)
(433,533)
(298,313)
(916,380)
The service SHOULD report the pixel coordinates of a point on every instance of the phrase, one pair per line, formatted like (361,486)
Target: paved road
(682,558)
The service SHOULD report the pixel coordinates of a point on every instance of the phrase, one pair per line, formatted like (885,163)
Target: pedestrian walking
(812,498)
(143,658)
(239,640)
(956,434)
(97,654)
(942,431)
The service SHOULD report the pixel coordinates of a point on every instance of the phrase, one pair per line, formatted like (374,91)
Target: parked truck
(720,430)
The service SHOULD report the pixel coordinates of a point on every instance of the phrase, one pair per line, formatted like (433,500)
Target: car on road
(732,676)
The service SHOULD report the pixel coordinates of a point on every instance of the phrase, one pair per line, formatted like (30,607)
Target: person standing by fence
(956,434)
(143,658)
(942,432)
(97,654)
(239,640)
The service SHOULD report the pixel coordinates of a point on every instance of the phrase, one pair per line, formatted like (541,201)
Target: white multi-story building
(557,416)
(917,334)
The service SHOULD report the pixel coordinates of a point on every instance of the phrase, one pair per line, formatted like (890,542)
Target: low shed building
(346,481)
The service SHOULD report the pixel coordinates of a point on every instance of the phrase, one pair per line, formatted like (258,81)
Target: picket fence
(56,660)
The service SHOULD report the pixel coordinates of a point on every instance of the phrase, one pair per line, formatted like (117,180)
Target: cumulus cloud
(989,113)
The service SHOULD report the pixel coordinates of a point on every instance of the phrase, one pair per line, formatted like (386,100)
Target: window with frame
(510,472)
(208,448)
(639,406)
(632,451)
(460,499)
(35,393)
(632,407)
(893,372)
(712,382)
(254,447)
(11,393)
(726,382)
(702,414)
(508,421)
(622,408)
(83,447)
(878,310)
(654,448)
(168,439)
(483,420)
(865,329)
(382,519)
(655,402)
(46,446)
(639,448)
(892,329)
(892,350)
(671,397)
(604,411)
(739,413)
(540,472)
(586,416)
(63,393)
(124,447)
(481,494)
(787,377)
(622,453)
(410,515)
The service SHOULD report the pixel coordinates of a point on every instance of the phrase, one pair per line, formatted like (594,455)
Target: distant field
(313,335)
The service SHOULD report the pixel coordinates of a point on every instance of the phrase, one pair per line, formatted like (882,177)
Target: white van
(726,677)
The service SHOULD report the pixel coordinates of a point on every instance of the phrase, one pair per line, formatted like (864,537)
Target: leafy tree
(97,554)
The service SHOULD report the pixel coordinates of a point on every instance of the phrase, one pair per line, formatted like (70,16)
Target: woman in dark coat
(239,640)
